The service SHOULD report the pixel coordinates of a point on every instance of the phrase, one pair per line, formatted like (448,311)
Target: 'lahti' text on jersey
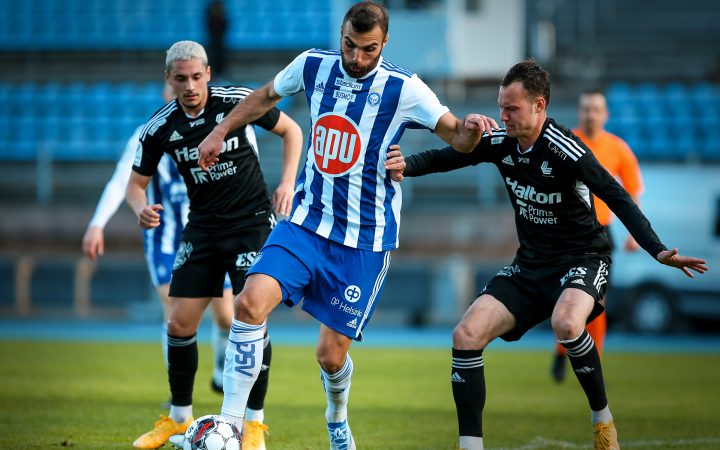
(191,154)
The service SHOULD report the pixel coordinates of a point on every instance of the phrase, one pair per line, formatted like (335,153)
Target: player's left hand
(673,259)
(282,199)
(395,163)
(483,124)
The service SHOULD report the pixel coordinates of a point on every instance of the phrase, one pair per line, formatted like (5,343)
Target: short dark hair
(364,16)
(534,78)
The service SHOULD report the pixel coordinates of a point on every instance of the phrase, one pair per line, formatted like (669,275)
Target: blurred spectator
(217,26)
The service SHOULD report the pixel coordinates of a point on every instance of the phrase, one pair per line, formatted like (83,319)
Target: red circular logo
(336,144)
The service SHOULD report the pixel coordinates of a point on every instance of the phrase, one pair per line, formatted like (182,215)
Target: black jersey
(233,192)
(549,187)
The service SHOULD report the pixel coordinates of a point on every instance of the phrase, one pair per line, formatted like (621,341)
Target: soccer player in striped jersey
(333,252)
(230,216)
(560,271)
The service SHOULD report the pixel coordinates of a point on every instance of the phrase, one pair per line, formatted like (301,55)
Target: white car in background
(683,205)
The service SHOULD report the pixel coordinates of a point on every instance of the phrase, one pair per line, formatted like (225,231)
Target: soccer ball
(212,433)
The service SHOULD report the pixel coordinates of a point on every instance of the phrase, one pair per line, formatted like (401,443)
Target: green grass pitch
(102,396)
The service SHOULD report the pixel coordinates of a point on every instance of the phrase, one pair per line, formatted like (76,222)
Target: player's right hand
(93,243)
(478,122)
(149,216)
(209,149)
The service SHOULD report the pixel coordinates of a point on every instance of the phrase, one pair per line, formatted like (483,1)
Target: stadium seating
(73,122)
(667,122)
(145,24)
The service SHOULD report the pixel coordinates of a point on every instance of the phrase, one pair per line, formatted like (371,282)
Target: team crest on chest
(374,97)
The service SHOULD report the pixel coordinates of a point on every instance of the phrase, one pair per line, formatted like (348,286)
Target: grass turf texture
(102,396)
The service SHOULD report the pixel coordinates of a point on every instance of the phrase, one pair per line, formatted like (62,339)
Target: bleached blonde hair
(185,51)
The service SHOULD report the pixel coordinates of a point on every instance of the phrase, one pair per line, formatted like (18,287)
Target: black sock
(585,362)
(256,400)
(182,365)
(468,386)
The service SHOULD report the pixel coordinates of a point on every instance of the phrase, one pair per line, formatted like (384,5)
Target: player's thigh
(185,315)
(486,319)
(571,313)
(581,294)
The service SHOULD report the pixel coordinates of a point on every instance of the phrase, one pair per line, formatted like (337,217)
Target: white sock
(337,390)
(471,443)
(602,416)
(254,415)
(244,360)
(180,413)
(219,346)
(163,340)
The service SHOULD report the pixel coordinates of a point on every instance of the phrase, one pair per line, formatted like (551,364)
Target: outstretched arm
(291,135)
(685,263)
(463,136)
(251,108)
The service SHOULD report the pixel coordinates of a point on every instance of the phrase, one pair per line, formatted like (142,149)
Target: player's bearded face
(361,51)
(189,80)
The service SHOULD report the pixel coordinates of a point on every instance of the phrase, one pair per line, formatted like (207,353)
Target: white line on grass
(541,442)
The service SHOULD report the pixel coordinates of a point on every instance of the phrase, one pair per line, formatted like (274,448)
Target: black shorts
(203,259)
(530,292)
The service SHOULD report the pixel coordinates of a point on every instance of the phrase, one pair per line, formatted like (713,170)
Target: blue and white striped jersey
(344,193)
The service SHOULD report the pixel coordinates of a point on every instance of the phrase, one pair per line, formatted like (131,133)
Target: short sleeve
(147,155)
(420,103)
(290,80)
(269,119)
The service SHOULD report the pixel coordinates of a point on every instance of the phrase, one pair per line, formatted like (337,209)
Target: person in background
(217,25)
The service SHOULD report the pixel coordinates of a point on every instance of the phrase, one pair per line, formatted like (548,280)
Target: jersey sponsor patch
(336,144)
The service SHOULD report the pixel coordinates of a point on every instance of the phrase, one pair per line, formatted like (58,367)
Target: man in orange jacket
(615,155)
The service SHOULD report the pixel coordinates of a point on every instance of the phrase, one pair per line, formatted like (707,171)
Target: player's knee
(467,337)
(178,327)
(249,308)
(330,361)
(565,327)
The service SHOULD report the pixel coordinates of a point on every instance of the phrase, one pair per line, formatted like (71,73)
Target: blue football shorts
(338,285)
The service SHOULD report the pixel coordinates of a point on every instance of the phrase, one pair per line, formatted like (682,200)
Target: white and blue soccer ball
(212,433)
